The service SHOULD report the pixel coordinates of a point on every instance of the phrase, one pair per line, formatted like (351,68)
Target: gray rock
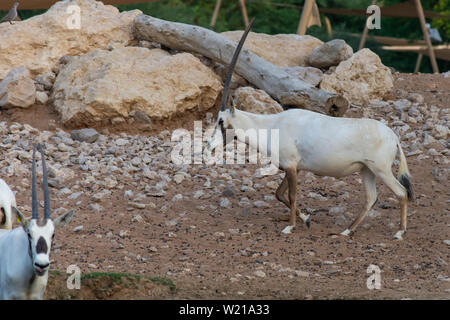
(228,192)
(261,204)
(225,203)
(402,105)
(41,97)
(85,135)
(330,54)
(142,117)
(415,97)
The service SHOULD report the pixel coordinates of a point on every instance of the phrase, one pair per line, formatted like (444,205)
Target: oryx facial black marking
(41,246)
(3,215)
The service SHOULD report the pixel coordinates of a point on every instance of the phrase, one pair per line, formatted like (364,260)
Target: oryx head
(40,232)
(227,106)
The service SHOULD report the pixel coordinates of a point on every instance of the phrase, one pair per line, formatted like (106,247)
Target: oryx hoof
(308,221)
(306,218)
(399,235)
(346,233)
(287,230)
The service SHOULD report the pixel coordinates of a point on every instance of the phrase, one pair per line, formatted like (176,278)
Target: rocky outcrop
(17,89)
(102,85)
(361,78)
(255,101)
(330,54)
(39,42)
(283,50)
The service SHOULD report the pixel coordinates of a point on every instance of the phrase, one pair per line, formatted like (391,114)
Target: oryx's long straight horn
(34,202)
(232,64)
(45,182)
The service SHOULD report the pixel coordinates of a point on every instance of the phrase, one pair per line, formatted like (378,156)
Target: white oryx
(324,145)
(25,250)
(7,202)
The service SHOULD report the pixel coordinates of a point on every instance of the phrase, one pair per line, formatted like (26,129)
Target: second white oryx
(25,250)
(324,145)
(7,203)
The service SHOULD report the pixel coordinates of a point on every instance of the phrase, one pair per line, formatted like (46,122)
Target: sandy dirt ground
(213,252)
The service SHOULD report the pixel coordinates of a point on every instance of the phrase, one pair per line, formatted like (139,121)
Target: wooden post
(244,12)
(427,36)
(304,19)
(419,61)
(216,12)
(329,30)
(365,32)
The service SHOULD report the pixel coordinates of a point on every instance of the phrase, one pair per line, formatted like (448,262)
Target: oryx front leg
(371,198)
(291,175)
(281,196)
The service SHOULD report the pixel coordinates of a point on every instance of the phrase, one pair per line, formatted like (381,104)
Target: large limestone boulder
(17,89)
(39,42)
(330,54)
(255,101)
(361,78)
(283,50)
(102,85)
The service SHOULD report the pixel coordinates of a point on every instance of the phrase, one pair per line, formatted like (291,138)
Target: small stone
(261,204)
(337,210)
(300,273)
(137,218)
(317,196)
(228,192)
(85,135)
(259,273)
(142,117)
(121,142)
(415,97)
(138,205)
(128,193)
(41,97)
(197,194)
(178,178)
(225,203)
(78,228)
(123,233)
(177,197)
(219,234)
(171,223)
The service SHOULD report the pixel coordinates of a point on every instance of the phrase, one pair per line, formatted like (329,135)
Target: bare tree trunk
(289,91)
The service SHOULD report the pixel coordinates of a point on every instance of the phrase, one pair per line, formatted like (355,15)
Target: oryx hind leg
(371,197)
(388,178)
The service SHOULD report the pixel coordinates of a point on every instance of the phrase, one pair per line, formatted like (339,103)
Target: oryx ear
(20,217)
(63,219)
(232,105)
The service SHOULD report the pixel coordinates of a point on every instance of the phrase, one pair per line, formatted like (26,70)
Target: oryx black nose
(41,266)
